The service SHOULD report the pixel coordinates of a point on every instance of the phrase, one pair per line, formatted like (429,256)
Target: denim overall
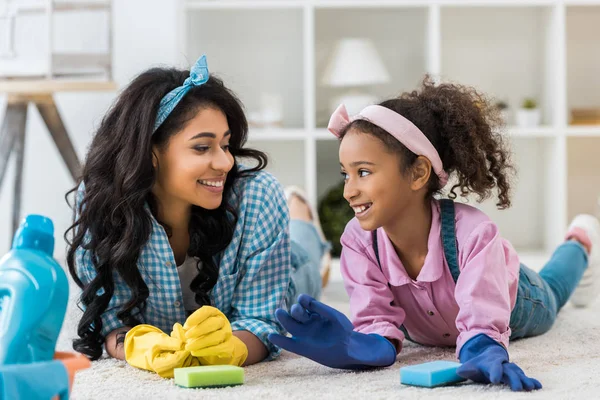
(539,297)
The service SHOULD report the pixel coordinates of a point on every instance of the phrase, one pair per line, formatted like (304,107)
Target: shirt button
(177,304)
(168,264)
(430,312)
(446,335)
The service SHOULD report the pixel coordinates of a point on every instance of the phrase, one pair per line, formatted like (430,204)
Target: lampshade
(354,62)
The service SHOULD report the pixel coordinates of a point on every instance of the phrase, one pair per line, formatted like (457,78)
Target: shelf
(349,4)
(44,86)
(589,130)
(276,134)
(78,64)
(582,2)
(38,7)
(223,4)
(542,131)
(321,4)
(242,4)
(494,3)
(323,134)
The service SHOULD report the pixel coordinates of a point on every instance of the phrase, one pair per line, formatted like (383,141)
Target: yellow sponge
(209,376)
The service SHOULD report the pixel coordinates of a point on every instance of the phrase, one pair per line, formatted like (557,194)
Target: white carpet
(566,360)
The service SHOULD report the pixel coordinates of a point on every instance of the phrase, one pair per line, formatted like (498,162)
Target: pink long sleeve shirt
(433,309)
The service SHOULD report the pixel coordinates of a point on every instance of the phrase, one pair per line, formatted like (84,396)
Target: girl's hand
(327,336)
(486,361)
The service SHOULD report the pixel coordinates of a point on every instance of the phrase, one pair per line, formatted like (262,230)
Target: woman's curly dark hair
(110,220)
(464,127)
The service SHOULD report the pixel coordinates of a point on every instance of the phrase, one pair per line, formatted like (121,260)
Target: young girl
(435,272)
(166,222)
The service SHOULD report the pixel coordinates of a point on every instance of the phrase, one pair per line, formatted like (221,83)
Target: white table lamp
(354,63)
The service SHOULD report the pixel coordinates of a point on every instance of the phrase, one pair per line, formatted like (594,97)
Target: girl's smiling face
(375,187)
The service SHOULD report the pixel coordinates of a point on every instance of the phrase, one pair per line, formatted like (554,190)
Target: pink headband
(397,126)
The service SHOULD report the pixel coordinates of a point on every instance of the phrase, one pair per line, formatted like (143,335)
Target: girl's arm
(371,300)
(487,282)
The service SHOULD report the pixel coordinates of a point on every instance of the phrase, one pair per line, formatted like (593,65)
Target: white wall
(144,35)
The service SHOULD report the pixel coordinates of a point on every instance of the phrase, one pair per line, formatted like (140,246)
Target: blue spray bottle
(34,292)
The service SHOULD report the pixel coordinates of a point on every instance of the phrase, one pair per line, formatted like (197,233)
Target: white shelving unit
(26,52)
(510,49)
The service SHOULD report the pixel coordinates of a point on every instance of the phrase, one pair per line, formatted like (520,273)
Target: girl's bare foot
(301,210)
(585,229)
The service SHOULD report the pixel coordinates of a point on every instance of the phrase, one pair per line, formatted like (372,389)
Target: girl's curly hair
(464,127)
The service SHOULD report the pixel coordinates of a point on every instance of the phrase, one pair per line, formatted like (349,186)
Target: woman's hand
(208,336)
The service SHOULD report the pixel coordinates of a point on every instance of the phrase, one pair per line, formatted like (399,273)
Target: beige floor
(566,360)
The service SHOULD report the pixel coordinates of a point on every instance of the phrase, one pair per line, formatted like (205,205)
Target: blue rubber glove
(486,361)
(326,336)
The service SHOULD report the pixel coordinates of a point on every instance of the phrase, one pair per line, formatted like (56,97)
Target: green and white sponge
(209,376)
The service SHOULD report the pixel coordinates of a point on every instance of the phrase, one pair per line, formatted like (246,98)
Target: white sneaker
(326,258)
(587,290)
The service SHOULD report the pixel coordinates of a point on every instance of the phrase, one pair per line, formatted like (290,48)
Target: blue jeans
(307,250)
(542,295)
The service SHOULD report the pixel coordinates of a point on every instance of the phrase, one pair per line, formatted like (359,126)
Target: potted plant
(528,116)
(334,214)
(502,107)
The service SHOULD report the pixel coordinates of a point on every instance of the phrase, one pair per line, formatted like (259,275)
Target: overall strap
(375,247)
(449,236)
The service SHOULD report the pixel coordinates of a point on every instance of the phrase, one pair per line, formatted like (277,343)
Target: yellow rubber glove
(209,338)
(206,327)
(149,348)
(232,352)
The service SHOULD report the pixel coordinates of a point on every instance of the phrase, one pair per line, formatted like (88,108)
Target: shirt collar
(432,268)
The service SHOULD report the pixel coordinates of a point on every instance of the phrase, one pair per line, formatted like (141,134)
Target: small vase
(528,118)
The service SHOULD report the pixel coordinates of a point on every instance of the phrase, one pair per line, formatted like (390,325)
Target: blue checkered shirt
(254,270)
